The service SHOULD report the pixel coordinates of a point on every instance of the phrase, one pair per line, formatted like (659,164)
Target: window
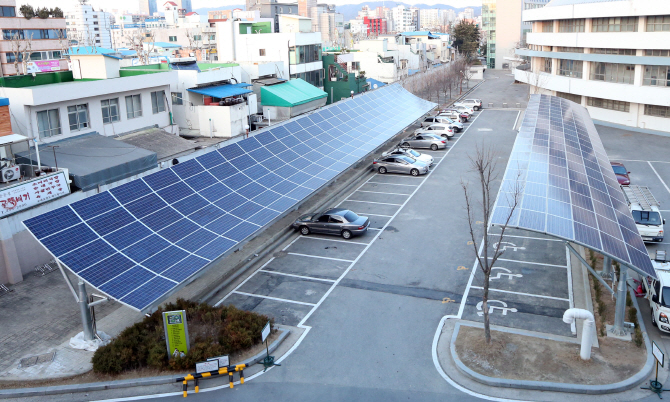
(610,72)
(197,37)
(177,98)
(614,24)
(7,34)
(571,97)
(77,116)
(48,123)
(571,68)
(313,77)
(656,52)
(608,104)
(658,23)
(355,65)
(261,52)
(172,38)
(157,101)
(212,37)
(548,26)
(656,76)
(625,52)
(571,25)
(658,111)
(304,54)
(7,12)
(110,110)
(570,49)
(133,106)
(547,65)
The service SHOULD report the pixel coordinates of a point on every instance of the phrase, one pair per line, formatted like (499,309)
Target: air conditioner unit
(10,174)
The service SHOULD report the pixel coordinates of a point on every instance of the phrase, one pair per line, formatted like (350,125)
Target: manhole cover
(39,359)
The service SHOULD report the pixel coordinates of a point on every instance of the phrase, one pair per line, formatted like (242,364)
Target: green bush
(43,13)
(213,331)
(27,11)
(56,12)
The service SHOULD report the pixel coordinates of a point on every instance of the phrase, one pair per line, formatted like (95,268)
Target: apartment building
(405,18)
(148,7)
(87,26)
(614,60)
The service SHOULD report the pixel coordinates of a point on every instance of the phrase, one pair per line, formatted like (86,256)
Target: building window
(571,68)
(110,110)
(615,24)
(8,34)
(261,52)
(548,26)
(571,97)
(610,72)
(656,76)
(571,25)
(304,54)
(133,106)
(77,116)
(658,23)
(7,12)
(657,52)
(570,49)
(157,101)
(172,38)
(48,123)
(658,111)
(177,98)
(313,77)
(625,52)
(608,104)
(197,37)
(547,65)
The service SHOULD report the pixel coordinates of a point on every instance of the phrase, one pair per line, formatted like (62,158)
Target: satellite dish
(375,86)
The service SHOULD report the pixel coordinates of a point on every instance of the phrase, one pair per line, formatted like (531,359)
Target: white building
(613,59)
(430,18)
(380,59)
(405,19)
(89,27)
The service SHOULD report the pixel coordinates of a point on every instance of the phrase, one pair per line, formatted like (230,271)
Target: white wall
(226,121)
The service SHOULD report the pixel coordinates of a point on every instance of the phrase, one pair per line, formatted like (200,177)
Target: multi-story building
(148,7)
(430,18)
(614,60)
(405,19)
(387,14)
(331,26)
(272,9)
(43,34)
(376,26)
(305,7)
(469,13)
(87,26)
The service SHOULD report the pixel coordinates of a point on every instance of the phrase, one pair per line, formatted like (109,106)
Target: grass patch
(213,331)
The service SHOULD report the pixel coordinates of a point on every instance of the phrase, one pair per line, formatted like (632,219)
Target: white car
(443,130)
(453,114)
(475,104)
(462,108)
(430,120)
(425,158)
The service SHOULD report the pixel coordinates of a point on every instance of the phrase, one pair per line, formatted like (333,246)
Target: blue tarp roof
(223,91)
(166,44)
(420,33)
(92,51)
(374,82)
(4,101)
(411,71)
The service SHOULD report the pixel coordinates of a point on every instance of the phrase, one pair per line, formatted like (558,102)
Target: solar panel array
(140,241)
(568,187)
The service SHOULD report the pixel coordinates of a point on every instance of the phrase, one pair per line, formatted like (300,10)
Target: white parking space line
(375,229)
(521,293)
(517,120)
(659,177)
(393,184)
(380,192)
(320,257)
(273,298)
(524,237)
(297,276)
(243,282)
(372,202)
(636,160)
(534,263)
(327,239)
(367,213)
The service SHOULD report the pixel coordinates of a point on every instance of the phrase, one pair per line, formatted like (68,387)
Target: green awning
(291,93)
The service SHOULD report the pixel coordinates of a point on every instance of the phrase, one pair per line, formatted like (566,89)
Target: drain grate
(45,269)
(35,360)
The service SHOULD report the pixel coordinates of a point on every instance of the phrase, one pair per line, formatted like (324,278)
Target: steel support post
(85,312)
(607,268)
(620,309)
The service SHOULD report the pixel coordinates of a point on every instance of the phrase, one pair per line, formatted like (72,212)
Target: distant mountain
(350,11)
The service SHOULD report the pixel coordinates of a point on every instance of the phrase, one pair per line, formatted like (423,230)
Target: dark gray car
(336,221)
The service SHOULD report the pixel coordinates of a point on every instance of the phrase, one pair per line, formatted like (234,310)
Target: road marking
(534,263)
(394,184)
(323,258)
(273,298)
(461,268)
(636,160)
(296,276)
(508,273)
(335,240)
(374,229)
(243,282)
(516,121)
(492,308)
(522,294)
(525,237)
(371,202)
(380,192)
(367,213)
(659,177)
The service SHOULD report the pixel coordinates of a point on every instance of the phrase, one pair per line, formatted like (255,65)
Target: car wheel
(653,318)
(405,144)
(445,136)
(433,147)
(382,169)
(414,172)
(346,234)
(304,230)
(476,108)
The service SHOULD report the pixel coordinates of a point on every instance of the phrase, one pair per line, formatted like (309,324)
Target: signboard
(43,66)
(658,354)
(266,332)
(209,365)
(30,193)
(224,361)
(176,333)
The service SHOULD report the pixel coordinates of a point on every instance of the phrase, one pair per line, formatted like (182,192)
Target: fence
(230,370)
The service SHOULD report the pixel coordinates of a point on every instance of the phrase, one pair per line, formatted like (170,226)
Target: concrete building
(148,7)
(46,47)
(272,9)
(376,26)
(613,60)
(405,19)
(305,7)
(88,27)
(381,59)
(343,76)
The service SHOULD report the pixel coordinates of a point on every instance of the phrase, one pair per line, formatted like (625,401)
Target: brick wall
(5,122)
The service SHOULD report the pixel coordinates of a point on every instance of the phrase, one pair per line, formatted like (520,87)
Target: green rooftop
(291,93)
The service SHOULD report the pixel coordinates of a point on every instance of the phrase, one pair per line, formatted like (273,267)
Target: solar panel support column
(85,312)
(607,268)
(620,308)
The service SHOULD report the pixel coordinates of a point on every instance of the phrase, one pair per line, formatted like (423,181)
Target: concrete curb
(620,386)
(136,382)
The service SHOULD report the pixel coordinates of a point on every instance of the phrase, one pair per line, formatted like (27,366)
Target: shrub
(56,12)
(629,301)
(637,337)
(43,13)
(27,11)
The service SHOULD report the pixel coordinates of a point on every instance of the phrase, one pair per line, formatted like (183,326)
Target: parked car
(425,158)
(462,108)
(454,125)
(475,104)
(658,292)
(442,130)
(400,164)
(335,221)
(454,114)
(431,141)
(621,173)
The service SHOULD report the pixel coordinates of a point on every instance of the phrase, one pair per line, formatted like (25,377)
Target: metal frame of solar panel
(568,187)
(139,242)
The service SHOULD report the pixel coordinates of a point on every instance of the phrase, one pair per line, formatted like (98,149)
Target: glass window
(77,116)
(48,123)
(647,217)
(197,37)
(261,52)
(291,55)
(177,98)
(157,101)
(658,23)
(571,68)
(110,110)
(301,54)
(571,97)
(7,12)
(172,38)
(548,26)
(658,111)
(656,76)
(133,106)
(615,24)
(611,72)
(657,52)
(608,104)
(571,25)
(626,52)
(547,65)
(570,49)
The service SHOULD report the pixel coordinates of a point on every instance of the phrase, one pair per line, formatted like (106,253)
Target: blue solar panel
(139,241)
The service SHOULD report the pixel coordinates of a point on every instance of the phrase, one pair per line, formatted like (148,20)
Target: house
(344,76)
(379,60)
(289,99)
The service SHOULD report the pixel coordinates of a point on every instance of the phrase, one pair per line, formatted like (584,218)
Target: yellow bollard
(197,386)
(230,378)
(185,387)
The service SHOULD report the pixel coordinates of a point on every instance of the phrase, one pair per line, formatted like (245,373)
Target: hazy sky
(133,5)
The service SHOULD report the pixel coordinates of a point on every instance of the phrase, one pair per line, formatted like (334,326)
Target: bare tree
(137,40)
(21,49)
(17,48)
(484,164)
(27,49)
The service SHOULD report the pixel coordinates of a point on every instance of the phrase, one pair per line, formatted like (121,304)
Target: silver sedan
(400,164)
(431,141)
(336,221)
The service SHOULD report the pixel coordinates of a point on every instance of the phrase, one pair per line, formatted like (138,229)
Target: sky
(133,5)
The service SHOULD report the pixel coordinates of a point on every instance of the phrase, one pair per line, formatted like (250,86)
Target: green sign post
(176,333)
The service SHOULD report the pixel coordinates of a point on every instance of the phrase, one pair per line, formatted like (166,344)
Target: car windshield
(413,153)
(406,158)
(647,217)
(666,296)
(350,216)
(620,170)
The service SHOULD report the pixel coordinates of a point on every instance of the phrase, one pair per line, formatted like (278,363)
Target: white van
(658,293)
(475,104)
(646,212)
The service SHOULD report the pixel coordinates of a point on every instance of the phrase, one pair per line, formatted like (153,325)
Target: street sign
(658,353)
(224,361)
(176,333)
(266,332)
(209,365)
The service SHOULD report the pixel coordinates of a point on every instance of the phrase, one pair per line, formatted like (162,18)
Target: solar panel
(140,241)
(569,188)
